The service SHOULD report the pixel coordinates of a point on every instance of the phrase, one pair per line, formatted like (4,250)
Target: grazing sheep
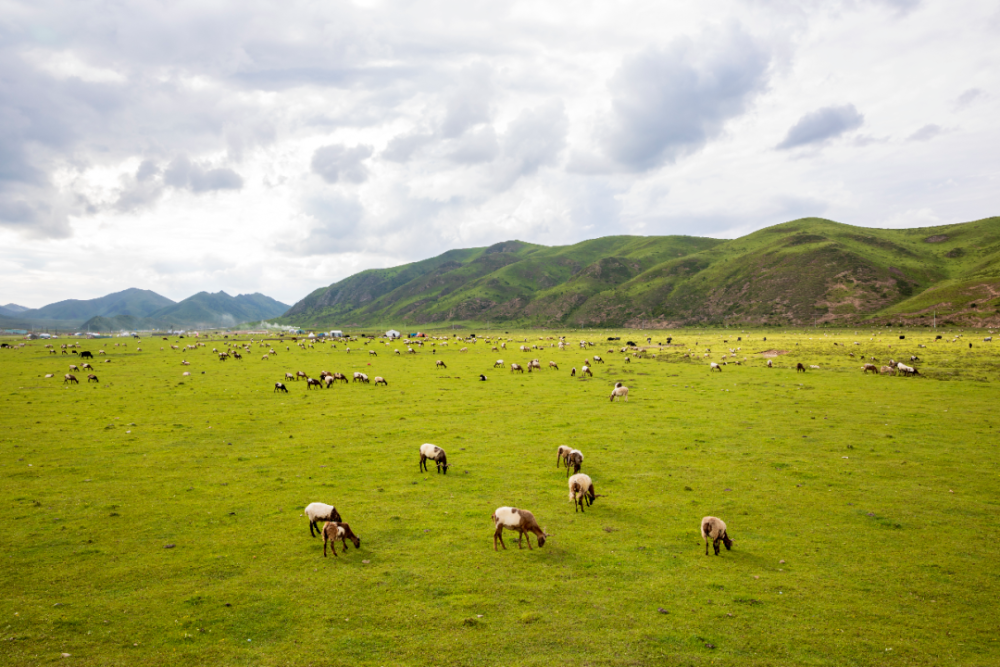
(715,528)
(869,367)
(907,370)
(92,378)
(800,367)
(769,364)
(887,370)
(372,353)
(299,375)
(69,378)
(553,365)
(310,383)
(914,358)
(581,490)
(318,513)
(482,378)
(334,531)
(185,374)
(620,391)
(434,453)
(86,366)
(328,380)
(562,455)
(264,358)
(290,376)
(575,459)
(516,367)
(340,377)
(280,386)
(360,377)
(48,375)
(522,521)
(74,367)
(498,363)
(714,367)
(598,360)
(380,380)
(439,364)
(534,363)
(586,371)
(572,372)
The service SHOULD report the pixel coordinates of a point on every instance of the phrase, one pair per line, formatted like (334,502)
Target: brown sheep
(869,368)
(522,521)
(715,528)
(69,378)
(800,367)
(333,531)
(92,378)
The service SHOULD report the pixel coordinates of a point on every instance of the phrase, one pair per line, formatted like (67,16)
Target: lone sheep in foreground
(317,513)
(440,364)
(434,453)
(620,391)
(581,490)
(522,521)
(715,528)
(334,531)
(800,367)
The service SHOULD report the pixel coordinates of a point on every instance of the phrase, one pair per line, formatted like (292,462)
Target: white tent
(392,333)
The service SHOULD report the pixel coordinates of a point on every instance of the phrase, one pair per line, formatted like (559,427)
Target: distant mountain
(14,308)
(203,310)
(800,272)
(134,302)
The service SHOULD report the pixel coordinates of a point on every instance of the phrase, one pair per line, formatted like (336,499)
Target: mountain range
(144,309)
(800,272)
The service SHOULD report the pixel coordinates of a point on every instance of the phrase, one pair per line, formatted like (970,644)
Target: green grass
(880,494)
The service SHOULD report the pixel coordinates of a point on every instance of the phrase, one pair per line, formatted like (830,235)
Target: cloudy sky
(247,146)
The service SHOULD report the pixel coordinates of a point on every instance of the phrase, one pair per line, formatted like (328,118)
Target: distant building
(392,333)
(337,333)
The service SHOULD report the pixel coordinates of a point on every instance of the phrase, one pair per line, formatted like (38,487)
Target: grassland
(864,510)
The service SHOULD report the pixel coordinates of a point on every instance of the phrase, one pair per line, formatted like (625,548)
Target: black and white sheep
(318,513)
(434,453)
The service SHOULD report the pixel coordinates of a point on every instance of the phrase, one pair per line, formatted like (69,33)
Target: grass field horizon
(864,510)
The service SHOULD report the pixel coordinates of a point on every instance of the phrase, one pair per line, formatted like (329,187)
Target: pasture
(155,518)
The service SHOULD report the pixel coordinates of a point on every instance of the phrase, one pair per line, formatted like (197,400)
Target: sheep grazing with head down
(715,528)
(714,367)
(620,391)
(318,513)
(434,453)
(575,459)
(335,530)
(562,455)
(522,521)
(581,490)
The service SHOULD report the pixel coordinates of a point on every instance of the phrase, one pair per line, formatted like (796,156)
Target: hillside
(134,302)
(201,310)
(804,271)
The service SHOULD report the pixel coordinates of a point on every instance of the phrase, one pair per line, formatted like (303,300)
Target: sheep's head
(541,539)
(728,542)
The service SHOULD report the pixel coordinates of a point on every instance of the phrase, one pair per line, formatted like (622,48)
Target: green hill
(134,302)
(203,310)
(797,272)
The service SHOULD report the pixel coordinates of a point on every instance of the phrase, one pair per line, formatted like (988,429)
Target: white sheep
(522,521)
(320,512)
(581,490)
(436,454)
(714,367)
(715,528)
(620,391)
(498,363)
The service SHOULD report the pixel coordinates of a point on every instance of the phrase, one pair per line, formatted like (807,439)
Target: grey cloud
(469,104)
(185,174)
(147,170)
(339,163)
(822,125)
(534,139)
(335,229)
(670,102)
(968,97)
(926,133)
(477,146)
(402,147)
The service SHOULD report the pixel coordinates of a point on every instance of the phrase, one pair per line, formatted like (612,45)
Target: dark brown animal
(340,376)
(92,378)
(870,367)
(311,382)
(333,531)
(86,355)
(800,367)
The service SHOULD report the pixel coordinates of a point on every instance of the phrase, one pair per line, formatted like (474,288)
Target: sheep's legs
(496,535)
(525,536)
(423,463)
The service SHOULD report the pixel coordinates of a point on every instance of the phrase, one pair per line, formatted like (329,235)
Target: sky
(280,147)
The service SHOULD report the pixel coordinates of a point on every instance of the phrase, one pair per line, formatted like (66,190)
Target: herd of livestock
(521,521)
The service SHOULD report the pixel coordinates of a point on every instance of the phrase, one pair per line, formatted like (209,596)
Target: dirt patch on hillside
(773,353)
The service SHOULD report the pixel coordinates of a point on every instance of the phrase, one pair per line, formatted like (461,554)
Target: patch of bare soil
(773,353)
